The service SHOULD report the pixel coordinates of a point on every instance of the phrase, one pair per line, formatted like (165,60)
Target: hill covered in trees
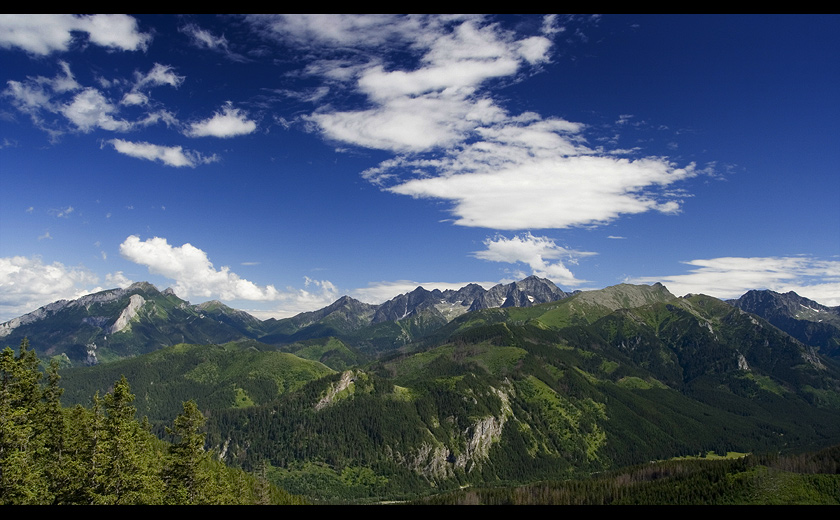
(103,455)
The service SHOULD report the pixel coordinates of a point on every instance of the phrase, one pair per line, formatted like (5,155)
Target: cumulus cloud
(169,155)
(192,271)
(229,122)
(46,33)
(406,124)
(730,277)
(27,283)
(537,252)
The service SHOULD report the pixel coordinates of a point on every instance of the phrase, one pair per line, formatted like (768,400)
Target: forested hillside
(102,454)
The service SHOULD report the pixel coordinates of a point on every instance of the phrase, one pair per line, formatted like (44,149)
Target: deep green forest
(103,454)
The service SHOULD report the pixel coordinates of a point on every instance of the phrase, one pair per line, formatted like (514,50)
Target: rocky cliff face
(467,451)
(524,293)
(134,304)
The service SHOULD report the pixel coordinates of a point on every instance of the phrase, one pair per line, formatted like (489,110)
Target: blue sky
(278,162)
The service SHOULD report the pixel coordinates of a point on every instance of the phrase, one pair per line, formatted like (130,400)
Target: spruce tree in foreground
(186,479)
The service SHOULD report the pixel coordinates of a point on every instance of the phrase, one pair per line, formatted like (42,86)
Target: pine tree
(21,449)
(125,473)
(186,480)
(53,430)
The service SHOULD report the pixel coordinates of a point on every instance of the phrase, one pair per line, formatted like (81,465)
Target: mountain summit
(806,320)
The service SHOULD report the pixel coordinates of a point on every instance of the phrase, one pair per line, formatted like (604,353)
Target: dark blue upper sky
(279,162)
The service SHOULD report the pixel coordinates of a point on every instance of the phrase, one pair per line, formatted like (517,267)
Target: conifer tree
(21,470)
(186,480)
(127,475)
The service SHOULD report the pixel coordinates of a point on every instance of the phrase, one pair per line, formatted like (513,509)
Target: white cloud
(229,122)
(90,109)
(117,279)
(535,251)
(46,33)
(64,213)
(204,39)
(437,103)
(730,277)
(159,75)
(337,30)
(500,170)
(506,191)
(316,294)
(34,97)
(192,271)
(407,124)
(28,283)
(169,155)
(134,98)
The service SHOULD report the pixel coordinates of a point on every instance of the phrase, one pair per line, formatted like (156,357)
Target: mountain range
(125,322)
(434,390)
(121,323)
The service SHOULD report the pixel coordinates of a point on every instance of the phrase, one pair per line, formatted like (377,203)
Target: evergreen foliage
(103,455)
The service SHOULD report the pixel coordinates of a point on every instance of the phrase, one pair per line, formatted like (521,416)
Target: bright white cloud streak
(169,155)
(558,192)
(730,277)
(192,271)
(159,75)
(46,33)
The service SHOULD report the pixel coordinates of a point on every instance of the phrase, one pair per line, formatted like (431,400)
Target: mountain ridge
(122,322)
